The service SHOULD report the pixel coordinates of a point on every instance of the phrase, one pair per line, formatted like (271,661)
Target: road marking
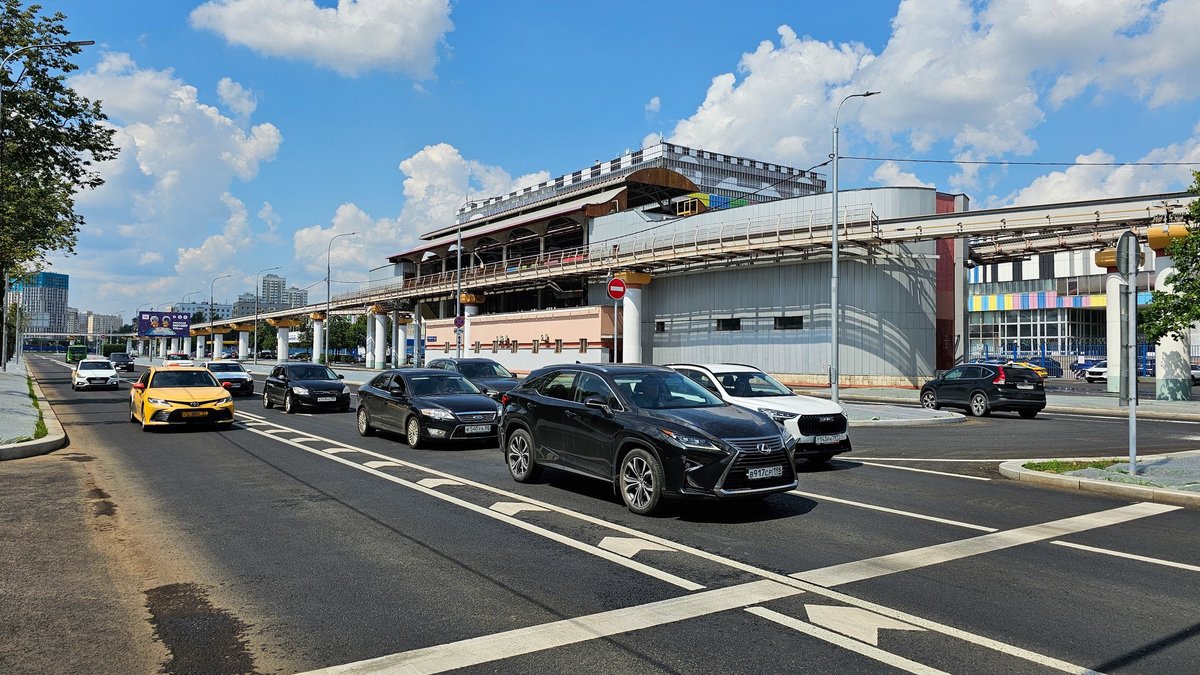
(509,644)
(875,653)
(631,546)
(1131,556)
(513,508)
(928,459)
(909,468)
(334,451)
(837,575)
(434,482)
(898,512)
(1121,419)
(855,622)
(380,463)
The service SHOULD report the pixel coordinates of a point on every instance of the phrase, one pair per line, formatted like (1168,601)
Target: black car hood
(458,403)
(720,421)
(318,385)
(496,383)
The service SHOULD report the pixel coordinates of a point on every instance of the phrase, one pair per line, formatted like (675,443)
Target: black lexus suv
(648,430)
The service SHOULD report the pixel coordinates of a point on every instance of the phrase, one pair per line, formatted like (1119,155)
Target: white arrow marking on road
(377,464)
(334,451)
(513,508)
(630,546)
(857,623)
(437,482)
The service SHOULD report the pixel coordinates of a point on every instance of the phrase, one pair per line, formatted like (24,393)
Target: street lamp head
(868,93)
(80,43)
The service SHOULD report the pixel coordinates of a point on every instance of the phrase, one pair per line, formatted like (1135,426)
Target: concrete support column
(218,346)
(187,345)
(174,342)
(162,348)
(401,348)
(1172,358)
(631,307)
(1112,315)
(397,344)
(128,346)
(369,361)
(243,344)
(381,340)
(318,326)
(281,342)
(200,344)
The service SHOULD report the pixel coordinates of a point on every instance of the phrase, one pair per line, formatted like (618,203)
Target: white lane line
(926,459)
(956,633)
(334,451)
(837,575)
(909,468)
(379,464)
(1131,556)
(844,642)
(513,508)
(436,482)
(909,514)
(1120,420)
(509,644)
(520,524)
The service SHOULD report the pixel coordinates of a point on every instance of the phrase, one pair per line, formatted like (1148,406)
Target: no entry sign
(616,289)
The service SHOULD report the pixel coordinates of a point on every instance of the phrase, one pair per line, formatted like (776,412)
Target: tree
(198,317)
(1176,312)
(50,137)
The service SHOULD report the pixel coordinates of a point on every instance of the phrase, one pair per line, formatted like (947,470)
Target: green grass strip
(39,429)
(1064,466)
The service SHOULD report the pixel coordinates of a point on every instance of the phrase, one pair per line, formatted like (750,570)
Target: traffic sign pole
(616,290)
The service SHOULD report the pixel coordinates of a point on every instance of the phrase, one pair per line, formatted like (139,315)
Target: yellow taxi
(179,396)
(1042,372)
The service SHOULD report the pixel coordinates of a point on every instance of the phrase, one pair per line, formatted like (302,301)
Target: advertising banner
(164,324)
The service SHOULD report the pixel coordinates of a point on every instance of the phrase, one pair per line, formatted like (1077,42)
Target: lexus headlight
(158,401)
(345,389)
(437,413)
(300,390)
(780,416)
(688,441)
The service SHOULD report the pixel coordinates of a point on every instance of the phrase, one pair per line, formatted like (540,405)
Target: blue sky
(252,131)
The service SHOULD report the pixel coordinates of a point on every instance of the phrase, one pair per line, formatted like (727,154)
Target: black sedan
(649,431)
(490,376)
(239,381)
(981,388)
(121,361)
(426,405)
(310,385)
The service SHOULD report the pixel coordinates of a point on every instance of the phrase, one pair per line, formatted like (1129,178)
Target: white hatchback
(818,426)
(94,373)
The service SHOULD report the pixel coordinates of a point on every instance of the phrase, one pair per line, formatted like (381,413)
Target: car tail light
(504,399)
(999,379)
(227,384)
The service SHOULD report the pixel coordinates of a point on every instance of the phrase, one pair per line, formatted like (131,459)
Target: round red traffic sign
(616,289)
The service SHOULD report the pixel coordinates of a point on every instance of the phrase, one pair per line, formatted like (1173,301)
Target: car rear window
(1021,375)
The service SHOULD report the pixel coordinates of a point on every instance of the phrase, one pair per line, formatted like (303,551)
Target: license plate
(477,428)
(326,399)
(1024,386)
(764,472)
(194,413)
(827,439)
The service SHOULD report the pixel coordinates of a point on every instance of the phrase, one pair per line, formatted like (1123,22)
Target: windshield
(226,368)
(751,384)
(178,357)
(313,372)
(483,370)
(118,356)
(94,365)
(183,378)
(661,391)
(441,385)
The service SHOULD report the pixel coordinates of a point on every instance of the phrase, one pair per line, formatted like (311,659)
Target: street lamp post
(328,295)
(212,319)
(256,310)
(4,270)
(833,280)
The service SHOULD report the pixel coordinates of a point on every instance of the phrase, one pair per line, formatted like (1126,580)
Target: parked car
(232,376)
(982,388)
(1098,372)
(94,373)
(649,431)
(310,385)
(266,354)
(492,378)
(1052,366)
(179,395)
(121,361)
(817,426)
(1195,374)
(301,356)
(426,405)
(1080,368)
(1042,372)
(178,359)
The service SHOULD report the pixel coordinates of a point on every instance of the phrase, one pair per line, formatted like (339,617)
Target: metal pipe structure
(256,282)
(328,296)
(833,279)
(5,271)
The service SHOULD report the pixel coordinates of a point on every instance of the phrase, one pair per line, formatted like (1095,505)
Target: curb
(1074,410)
(951,418)
(1016,470)
(53,440)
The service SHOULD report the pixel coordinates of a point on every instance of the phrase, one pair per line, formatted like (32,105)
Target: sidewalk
(18,417)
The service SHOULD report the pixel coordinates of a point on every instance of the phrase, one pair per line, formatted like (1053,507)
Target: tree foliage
(50,139)
(1176,312)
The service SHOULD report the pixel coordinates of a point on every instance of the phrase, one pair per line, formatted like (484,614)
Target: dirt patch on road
(200,637)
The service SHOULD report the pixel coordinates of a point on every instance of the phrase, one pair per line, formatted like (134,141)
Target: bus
(76,353)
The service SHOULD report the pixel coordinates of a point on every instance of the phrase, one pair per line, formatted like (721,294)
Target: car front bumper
(97,382)
(182,416)
(323,400)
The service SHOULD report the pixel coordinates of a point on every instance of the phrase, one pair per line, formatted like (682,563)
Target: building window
(660,326)
(729,324)
(583,345)
(789,323)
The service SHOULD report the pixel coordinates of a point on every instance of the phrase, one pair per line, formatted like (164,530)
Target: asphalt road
(290,543)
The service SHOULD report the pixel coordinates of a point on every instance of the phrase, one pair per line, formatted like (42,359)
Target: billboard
(163,324)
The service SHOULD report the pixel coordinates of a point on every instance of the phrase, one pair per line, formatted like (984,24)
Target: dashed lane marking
(436,482)
(867,650)
(909,468)
(513,508)
(631,546)
(380,463)
(1130,556)
(908,514)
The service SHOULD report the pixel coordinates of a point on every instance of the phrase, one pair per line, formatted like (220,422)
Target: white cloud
(272,220)
(237,98)
(654,105)
(150,257)
(218,252)
(889,175)
(354,37)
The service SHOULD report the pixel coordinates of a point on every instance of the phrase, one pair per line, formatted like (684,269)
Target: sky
(254,131)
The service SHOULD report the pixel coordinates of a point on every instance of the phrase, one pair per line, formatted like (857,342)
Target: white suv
(94,373)
(818,426)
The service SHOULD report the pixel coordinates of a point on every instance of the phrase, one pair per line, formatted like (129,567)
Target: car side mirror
(396,391)
(598,402)
(138,385)
(341,377)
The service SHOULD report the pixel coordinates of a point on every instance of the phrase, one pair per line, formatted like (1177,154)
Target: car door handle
(571,414)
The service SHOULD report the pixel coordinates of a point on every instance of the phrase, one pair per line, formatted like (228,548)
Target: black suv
(648,430)
(121,361)
(982,388)
(311,385)
(492,378)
